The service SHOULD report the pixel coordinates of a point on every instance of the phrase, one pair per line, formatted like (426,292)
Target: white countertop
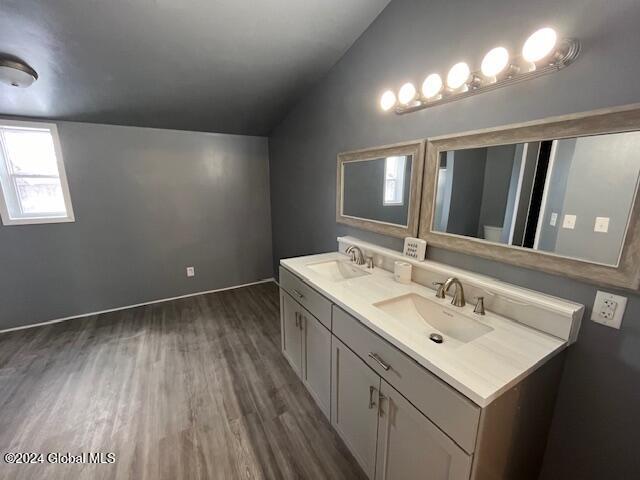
(481,369)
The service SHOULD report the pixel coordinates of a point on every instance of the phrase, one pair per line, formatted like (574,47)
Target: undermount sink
(337,270)
(421,312)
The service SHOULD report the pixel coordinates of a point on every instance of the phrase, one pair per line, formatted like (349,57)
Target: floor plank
(195,388)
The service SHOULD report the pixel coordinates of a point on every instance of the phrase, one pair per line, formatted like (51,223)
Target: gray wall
(467,178)
(512,195)
(495,191)
(601,183)
(364,192)
(148,203)
(556,191)
(528,177)
(479,188)
(595,429)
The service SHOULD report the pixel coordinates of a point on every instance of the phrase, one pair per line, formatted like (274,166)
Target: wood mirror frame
(414,148)
(614,120)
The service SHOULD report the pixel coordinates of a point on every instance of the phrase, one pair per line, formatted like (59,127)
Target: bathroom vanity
(478,405)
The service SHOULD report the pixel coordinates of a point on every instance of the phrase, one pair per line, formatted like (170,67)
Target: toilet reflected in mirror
(570,197)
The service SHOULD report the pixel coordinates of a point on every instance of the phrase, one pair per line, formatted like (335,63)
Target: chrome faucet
(370,262)
(458,295)
(479,309)
(356,254)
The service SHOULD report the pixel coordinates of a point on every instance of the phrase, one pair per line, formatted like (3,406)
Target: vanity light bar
(541,54)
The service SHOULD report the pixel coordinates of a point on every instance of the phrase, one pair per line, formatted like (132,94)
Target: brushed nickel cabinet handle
(381,398)
(372,402)
(297,320)
(385,366)
(298,294)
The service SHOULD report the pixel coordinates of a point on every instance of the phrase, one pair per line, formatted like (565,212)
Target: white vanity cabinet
(354,405)
(316,361)
(390,438)
(291,335)
(306,344)
(411,447)
(400,420)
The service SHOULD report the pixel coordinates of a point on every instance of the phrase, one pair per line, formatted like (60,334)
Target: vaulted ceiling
(214,65)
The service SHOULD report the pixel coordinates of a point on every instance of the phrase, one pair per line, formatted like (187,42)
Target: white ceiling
(213,65)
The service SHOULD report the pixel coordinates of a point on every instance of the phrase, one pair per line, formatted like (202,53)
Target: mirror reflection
(571,197)
(378,189)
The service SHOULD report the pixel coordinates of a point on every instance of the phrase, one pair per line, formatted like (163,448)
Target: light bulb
(387,100)
(432,85)
(16,73)
(539,45)
(494,62)
(458,75)
(407,93)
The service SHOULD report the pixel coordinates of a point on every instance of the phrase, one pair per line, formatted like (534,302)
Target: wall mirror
(378,189)
(559,195)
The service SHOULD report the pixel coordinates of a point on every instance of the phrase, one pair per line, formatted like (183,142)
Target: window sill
(36,220)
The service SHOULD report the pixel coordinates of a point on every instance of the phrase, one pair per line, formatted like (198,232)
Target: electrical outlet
(554,219)
(601,225)
(608,309)
(191,272)
(569,222)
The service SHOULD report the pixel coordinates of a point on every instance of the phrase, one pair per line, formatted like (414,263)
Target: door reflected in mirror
(378,189)
(571,197)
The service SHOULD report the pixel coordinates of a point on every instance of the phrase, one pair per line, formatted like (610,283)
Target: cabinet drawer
(451,411)
(319,306)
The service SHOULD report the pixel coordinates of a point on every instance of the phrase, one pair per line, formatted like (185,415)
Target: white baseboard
(58,320)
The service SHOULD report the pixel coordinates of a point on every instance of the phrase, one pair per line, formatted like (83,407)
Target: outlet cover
(554,219)
(608,309)
(601,225)
(569,222)
(191,272)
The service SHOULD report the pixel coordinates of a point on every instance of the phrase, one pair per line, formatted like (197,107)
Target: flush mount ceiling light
(16,73)
(542,53)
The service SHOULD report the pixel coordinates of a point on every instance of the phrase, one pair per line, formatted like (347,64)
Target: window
(394,168)
(32,177)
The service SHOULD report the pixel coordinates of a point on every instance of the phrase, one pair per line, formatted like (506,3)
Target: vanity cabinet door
(354,405)
(411,447)
(316,361)
(291,331)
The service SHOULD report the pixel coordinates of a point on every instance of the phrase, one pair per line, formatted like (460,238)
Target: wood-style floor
(194,388)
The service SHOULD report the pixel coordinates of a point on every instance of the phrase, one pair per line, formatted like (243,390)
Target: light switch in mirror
(551,195)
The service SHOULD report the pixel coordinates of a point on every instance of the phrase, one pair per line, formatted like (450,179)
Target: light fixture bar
(520,71)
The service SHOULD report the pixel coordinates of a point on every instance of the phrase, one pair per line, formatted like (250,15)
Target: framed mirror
(378,189)
(558,195)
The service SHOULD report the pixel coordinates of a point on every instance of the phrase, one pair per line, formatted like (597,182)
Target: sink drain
(435,337)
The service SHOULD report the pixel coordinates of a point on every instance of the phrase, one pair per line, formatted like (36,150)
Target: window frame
(5,196)
(399,180)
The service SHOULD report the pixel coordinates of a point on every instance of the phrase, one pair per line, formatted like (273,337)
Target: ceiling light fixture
(407,93)
(458,76)
(539,45)
(432,86)
(542,53)
(388,100)
(16,73)
(494,62)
